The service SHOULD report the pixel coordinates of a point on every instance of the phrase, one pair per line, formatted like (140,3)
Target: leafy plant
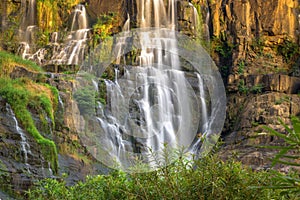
(289,154)
(288,49)
(206,178)
(241,67)
(258,45)
(257,88)
(103,28)
(242,87)
(222,46)
(292,140)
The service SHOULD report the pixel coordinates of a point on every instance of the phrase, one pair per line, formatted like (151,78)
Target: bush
(207,178)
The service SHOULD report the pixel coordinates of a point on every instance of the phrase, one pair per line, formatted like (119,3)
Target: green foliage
(258,45)
(222,46)
(224,70)
(289,50)
(257,88)
(242,87)
(85,98)
(103,28)
(8,61)
(281,100)
(289,154)
(292,146)
(207,178)
(17,94)
(55,93)
(241,67)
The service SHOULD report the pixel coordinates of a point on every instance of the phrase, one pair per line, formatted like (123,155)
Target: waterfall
(203,105)
(126,26)
(60,101)
(149,108)
(27,27)
(156,103)
(195,19)
(25,147)
(73,51)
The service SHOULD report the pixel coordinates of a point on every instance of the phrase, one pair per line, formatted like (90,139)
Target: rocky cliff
(255,44)
(261,73)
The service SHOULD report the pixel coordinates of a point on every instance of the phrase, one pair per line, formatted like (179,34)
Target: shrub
(207,178)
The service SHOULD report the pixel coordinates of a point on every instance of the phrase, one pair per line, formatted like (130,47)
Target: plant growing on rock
(103,28)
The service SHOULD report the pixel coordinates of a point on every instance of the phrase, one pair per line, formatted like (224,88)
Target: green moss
(18,95)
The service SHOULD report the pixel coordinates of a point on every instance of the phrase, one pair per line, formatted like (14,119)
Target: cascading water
(73,51)
(25,147)
(203,105)
(126,26)
(206,24)
(27,27)
(151,105)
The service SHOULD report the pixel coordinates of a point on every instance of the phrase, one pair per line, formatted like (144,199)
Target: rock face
(254,27)
(261,81)
(22,161)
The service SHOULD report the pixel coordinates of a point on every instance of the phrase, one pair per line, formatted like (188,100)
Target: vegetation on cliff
(25,95)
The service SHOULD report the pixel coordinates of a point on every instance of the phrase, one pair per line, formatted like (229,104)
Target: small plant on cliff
(222,46)
(103,28)
(258,45)
(242,87)
(289,50)
(241,66)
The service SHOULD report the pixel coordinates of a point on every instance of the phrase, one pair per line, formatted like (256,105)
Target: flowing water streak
(207,18)
(126,26)
(25,147)
(73,50)
(60,101)
(203,104)
(195,18)
(27,27)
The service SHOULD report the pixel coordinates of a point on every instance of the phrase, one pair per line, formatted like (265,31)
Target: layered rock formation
(255,43)
(260,72)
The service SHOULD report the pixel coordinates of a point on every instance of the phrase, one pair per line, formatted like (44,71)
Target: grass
(8,61)
(20,97)
(24,94)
